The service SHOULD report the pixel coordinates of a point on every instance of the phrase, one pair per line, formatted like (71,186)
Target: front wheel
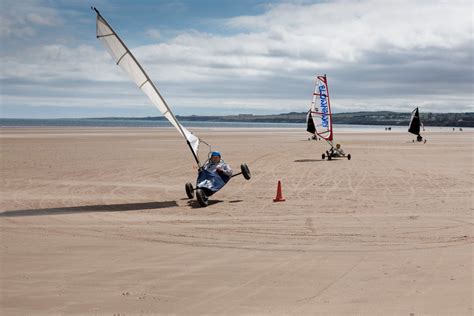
(189,190)
(349,157)
(323,156)
(245,171)
(202,198)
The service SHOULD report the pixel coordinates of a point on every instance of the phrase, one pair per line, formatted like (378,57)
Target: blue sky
(230,57)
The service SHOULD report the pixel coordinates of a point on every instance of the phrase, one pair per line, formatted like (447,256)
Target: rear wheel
(329,157)
(349,157)
(245,171)
(202,198)
(189,190)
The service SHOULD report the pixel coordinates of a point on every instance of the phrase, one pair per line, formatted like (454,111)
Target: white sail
(125,59)
(319,118)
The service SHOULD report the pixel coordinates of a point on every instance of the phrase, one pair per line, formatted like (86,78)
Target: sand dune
(96,221)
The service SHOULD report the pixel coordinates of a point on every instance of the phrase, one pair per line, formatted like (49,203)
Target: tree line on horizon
(363,118)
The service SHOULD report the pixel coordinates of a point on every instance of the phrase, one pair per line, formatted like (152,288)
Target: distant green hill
(364,118)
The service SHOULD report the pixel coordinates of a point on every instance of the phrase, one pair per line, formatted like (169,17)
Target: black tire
(245,171)
(349,157)
(202,198)
(323,156)
(189,190)
(329,157)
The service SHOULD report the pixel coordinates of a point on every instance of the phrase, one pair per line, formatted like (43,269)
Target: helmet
(338,145)
(215,153)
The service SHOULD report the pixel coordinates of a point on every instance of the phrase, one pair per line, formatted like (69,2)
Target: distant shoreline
(140,123)
(379,118)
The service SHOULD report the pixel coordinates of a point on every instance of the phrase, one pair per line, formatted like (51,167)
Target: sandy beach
(96,221)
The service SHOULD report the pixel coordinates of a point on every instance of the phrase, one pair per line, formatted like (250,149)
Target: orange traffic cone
(279,197)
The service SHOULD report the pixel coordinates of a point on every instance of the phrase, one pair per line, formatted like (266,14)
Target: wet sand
(96,221)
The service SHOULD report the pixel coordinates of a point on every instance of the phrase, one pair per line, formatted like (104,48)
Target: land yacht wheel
(245,171)
(189,190)
(202,198)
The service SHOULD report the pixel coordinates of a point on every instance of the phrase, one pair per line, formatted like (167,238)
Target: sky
(219,57)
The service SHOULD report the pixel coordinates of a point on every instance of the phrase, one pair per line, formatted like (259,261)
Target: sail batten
(120,59)
(144,84)
(127,61)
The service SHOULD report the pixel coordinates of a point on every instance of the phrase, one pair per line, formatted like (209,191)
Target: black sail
(310,123)
(415,122)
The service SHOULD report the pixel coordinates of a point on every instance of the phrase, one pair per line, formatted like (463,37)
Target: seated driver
(214,174)
(216,164)
(337,151)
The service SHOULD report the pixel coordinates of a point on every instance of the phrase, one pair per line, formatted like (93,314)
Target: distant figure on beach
(460,129)
(454,129)
(419,138)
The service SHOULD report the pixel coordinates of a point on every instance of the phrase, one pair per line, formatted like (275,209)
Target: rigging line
(204,142)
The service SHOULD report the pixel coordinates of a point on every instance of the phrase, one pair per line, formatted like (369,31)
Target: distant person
(460,129)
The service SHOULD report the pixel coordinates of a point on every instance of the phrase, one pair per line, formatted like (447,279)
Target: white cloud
(153,33)
(25,18)
(58,62)
(42,18)
(387,55)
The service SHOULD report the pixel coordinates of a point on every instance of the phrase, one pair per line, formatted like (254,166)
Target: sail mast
(329,107)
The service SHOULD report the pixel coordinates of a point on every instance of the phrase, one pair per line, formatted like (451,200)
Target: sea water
(93,122)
